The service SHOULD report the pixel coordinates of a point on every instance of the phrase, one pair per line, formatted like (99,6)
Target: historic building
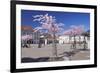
(28,33)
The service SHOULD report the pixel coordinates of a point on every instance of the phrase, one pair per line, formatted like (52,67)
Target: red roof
(27,28)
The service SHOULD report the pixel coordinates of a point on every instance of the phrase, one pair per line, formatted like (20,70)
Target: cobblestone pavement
(47,51)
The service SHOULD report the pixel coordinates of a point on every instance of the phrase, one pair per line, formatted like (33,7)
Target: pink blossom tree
(49,22)
(73,31)
(25,39)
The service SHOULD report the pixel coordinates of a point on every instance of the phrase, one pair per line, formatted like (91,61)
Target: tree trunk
(74,44)
(54,45)
(85,44)
(79,40)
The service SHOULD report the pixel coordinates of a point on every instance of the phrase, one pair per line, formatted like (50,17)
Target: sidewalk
(47,51)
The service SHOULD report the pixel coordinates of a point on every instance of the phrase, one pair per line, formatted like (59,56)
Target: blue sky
(67,18)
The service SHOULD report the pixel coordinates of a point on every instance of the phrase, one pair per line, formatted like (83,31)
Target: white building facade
(70,39)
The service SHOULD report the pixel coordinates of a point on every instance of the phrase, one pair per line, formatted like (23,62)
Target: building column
(45,41)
